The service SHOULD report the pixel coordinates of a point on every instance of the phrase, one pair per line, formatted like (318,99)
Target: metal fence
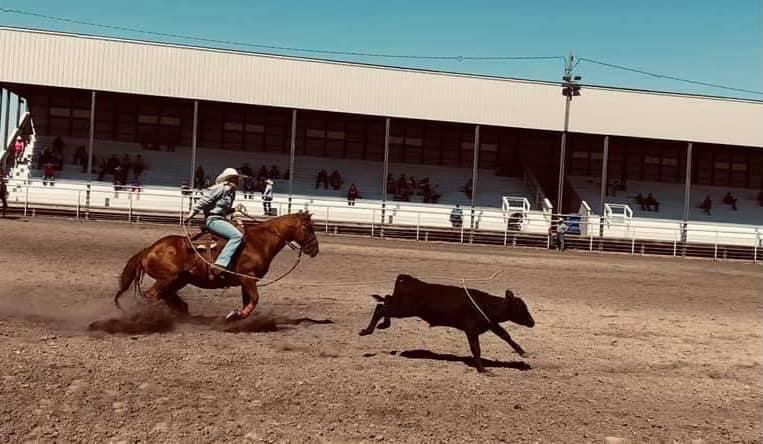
(409,221)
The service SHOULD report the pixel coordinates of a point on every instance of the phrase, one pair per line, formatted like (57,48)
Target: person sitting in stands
(274,173)
(80,156)
(468,188)
(728,199)
(322,178)
(103,167)
(335,180)
(640,201)
(118,172)
(760,198)
(435,195)
(352,194)
(138,166)
(651,203)
(457,217)
(198,177)
(112,164)
(44,158)
(49,175)
(246,170)
(263,174)
(185,189)
(125,163)
(706,205)
(58,145)
(18,147)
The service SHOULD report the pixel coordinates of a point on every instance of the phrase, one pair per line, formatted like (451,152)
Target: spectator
(3,194)
(267,197)
(112,164)
(728,199)
(198,178)
(457,217)
(49,174)
(18,148)
(323,178)
(102,168)
(561,230)
(468,188)
(263,174)
(760,198)
(138,166)
(80,156)
(274,173)
(640,201)
(44,157)
(125,164)
(651,203)
(335,180)
(706,205)
(118,174)
(246,170)
(58,145)
(352,194)
(135,185)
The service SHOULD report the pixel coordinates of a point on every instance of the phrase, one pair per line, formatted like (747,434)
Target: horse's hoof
(233,316)
(364,333)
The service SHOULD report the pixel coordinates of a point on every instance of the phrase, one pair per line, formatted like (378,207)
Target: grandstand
(349,118)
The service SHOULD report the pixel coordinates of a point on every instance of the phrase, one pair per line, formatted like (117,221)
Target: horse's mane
(269,224)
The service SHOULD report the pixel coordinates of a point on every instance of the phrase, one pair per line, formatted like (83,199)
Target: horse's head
(304,234)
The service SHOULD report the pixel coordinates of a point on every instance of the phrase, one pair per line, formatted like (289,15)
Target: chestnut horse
(173,263)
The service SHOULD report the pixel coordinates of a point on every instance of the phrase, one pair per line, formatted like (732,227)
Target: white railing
(424,219)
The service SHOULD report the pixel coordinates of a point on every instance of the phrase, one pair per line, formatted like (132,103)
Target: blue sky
(711,41)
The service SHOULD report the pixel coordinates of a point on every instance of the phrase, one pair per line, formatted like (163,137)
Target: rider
(216,205)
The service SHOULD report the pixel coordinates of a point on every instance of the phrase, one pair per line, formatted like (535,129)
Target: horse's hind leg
(173,300)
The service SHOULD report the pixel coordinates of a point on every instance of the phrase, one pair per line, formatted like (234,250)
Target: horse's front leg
(249,299)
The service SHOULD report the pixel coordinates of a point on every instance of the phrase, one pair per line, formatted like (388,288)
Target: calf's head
(516,310)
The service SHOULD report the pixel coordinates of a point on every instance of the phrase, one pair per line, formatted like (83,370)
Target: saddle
(209,244)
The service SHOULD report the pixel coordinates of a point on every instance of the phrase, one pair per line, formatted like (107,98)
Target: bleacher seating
(170,169)
(671,199)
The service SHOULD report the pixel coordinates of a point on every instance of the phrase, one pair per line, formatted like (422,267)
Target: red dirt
(644,349)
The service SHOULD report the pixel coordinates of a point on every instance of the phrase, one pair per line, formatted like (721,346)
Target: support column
(18,111)
(687,192)
(385,173)
(292,154)
(90,140)
(194,136)
(604,180)
(7,117)
(475,167)
(563,155)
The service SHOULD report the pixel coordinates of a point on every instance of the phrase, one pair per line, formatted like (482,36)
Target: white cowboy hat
(225,175)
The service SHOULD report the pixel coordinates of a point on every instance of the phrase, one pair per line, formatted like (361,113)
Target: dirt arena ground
(637,348)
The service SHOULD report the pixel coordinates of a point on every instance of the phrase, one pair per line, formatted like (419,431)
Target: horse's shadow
(468,360)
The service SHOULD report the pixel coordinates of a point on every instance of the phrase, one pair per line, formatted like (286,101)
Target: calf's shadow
(468,360)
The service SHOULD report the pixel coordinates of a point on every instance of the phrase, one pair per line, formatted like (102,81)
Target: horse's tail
(131,275)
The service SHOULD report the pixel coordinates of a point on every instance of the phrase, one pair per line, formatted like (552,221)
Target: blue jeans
(222,227)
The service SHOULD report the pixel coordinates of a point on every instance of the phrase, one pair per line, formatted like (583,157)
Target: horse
(174,263)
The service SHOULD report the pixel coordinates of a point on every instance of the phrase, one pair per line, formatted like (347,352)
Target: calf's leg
(503,334)
(474,344)
(379,313)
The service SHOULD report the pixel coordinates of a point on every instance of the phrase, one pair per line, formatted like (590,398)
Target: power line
(664,76)
(276,47)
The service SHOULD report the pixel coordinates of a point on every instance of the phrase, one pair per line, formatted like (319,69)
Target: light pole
(570,89)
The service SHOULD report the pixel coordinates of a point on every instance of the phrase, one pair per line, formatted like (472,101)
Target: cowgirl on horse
(217,204)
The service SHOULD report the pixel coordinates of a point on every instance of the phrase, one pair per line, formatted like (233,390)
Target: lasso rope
(338,284)
(255,278)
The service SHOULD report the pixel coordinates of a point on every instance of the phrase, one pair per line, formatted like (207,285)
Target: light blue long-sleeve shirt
(217,201)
